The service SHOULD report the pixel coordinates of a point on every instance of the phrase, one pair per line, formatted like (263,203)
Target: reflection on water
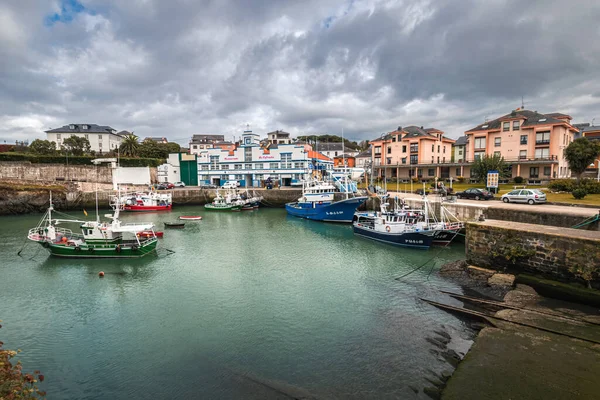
(249,305)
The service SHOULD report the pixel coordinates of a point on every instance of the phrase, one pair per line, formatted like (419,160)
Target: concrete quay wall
(522,247)
(26,171)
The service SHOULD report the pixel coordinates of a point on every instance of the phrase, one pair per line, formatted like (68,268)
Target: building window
(393,138)
(403,160)
(444,150)
(100,145)
(248,166)
(480,143)
(457,171)
(542,137)
(433,148)
(431,172)
(286,160)
(274,165)
(523,139)
(248,154)
(534,172)
(389,160)
(84,126)
(237,166)
(414,147)
(522,154)
(547,171)
(506,126)
(438,159)
(298,165)
(432,159)
(516,125)
(479,154)
(71,126)
(389,151)
(214,162)
(460,152)
(195,147)
(414,159)
(377,150)
(542,153)
(496,154)
(225,166)
(497,141)
(204,167)
(58,136)
(438,148)
(404,148)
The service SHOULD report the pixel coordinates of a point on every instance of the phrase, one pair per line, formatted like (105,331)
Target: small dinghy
(174,224)
(147,234)
(190,217)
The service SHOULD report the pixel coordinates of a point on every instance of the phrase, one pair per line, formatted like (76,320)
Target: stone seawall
(533,248)
(26,171)
(542,216)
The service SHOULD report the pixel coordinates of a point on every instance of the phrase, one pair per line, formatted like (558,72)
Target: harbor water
(245,305)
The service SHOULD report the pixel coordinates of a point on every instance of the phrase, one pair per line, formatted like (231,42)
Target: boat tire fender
(118,248)
(90,249)
(387,228)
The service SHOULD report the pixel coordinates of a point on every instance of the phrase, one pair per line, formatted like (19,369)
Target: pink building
(531,142)
(413,152)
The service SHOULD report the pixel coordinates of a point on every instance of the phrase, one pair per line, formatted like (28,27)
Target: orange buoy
(101,274)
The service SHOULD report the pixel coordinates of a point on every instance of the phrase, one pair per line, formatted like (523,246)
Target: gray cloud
(180,67)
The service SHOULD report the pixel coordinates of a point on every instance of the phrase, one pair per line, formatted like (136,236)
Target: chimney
(399,128)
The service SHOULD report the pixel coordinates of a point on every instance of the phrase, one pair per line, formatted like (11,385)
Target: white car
(230,185)
(179,184)
(531,196)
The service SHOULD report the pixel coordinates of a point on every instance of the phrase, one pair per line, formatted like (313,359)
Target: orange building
(592,133)
(532,143)
(347,161)
(413,152)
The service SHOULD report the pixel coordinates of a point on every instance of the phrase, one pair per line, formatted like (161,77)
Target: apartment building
(279,137)
(102,138)
(413,151)
(531,143)
(203,142)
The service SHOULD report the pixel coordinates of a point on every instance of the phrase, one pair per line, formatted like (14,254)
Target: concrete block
(504,280)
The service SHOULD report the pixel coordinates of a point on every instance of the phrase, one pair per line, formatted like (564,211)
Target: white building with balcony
(103,139)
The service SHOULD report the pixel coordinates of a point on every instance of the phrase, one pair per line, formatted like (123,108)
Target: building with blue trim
(252,164)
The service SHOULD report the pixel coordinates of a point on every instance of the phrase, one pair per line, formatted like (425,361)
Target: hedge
(78,160)
(569,185)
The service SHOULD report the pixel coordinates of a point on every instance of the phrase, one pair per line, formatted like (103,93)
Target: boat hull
(444,237)
(409,239)
(339,211)
(147,208)
(101,250)
(211,207)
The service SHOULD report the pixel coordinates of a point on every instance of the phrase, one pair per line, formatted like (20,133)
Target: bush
(77,160)
(590,186)
(579,193)
(562,185)
(518,179)
(460,179)
(415,179)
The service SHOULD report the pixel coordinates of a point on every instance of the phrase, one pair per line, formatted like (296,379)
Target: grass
(567,198)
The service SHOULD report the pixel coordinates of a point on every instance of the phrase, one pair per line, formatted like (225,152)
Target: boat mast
(344,166)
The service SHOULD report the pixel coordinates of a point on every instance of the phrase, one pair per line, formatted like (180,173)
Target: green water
(248,302)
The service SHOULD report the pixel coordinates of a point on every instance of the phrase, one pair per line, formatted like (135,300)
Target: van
(230,185)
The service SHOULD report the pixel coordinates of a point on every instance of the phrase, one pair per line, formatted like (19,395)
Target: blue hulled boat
(318,203)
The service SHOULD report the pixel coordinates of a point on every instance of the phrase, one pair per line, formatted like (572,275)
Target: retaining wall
(533,248)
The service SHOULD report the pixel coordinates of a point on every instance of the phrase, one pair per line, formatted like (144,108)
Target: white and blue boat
(318,201)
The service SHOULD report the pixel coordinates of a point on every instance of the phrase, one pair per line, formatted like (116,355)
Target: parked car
(209,186)
(165,186)
(473,193)
(179,184)
(531,196)
(420,191)
(231,185)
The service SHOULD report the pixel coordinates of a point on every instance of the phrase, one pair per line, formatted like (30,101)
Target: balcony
(542,142)
(448,163)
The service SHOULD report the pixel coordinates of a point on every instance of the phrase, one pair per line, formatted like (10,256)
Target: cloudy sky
(180,67)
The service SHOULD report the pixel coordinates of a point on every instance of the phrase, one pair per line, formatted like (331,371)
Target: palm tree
(129,146)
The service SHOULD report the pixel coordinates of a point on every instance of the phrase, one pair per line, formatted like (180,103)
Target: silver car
(531,196)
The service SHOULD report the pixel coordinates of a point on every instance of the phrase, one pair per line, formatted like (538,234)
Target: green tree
(580,154)
(482,165)
(150,149)
(76,145)
(171,147)
(129,146)
(42,147)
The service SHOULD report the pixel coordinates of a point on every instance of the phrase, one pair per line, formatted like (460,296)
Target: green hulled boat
(223,204)
(97,239)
